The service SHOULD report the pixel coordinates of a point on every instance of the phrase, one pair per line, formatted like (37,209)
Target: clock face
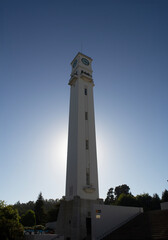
(74,64)
(85,61)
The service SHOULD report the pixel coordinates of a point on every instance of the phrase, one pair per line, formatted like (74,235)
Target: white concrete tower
(82,175)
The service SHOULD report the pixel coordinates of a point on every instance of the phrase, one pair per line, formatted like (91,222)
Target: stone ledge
(89,189)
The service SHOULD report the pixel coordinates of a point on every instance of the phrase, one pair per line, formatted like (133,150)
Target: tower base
(74,218)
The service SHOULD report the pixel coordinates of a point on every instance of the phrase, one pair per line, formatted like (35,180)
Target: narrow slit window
(87,144)
(86,115)
(87,178)
(85,91)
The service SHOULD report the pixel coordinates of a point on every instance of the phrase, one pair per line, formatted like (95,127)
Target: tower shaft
(82,175)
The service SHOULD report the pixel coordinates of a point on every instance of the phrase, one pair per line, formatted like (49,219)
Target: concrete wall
(72,217)
(164,205)
(106,219)
(51,225)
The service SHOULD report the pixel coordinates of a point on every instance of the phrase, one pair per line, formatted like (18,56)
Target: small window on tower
(87,178)
(86,91)
(86,115)
(87,144)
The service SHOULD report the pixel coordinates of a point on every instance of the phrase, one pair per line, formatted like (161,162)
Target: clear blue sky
(128,41)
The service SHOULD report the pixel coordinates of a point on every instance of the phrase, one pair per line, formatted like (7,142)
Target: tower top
(82,61)
(82,55)
(81,68)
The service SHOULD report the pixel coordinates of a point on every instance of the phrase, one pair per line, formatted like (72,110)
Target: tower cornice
(83,76)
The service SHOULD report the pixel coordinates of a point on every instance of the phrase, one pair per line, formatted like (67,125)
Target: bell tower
(74,217)
(82,175)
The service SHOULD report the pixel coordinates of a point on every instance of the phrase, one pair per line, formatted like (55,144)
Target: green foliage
(121,189)
(39,227)
(2,204)
(165,196)
(24,207)
(29,228)
(10,228)
(50,207)
(50,204)
(39,210)
(145,201)
(113,194)
(126,200)
(53,213)
(122,196)
(28,219)
(155,204)
(110,197)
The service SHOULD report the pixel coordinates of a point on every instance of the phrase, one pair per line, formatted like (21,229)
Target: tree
(126,200)
(39,210)
(10,228)
(52,215)
(155,203)
(110,197)
(165,196)
(145,201)
(2,204)
(121,189)
(28,219)
(50,204)
(24,207)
